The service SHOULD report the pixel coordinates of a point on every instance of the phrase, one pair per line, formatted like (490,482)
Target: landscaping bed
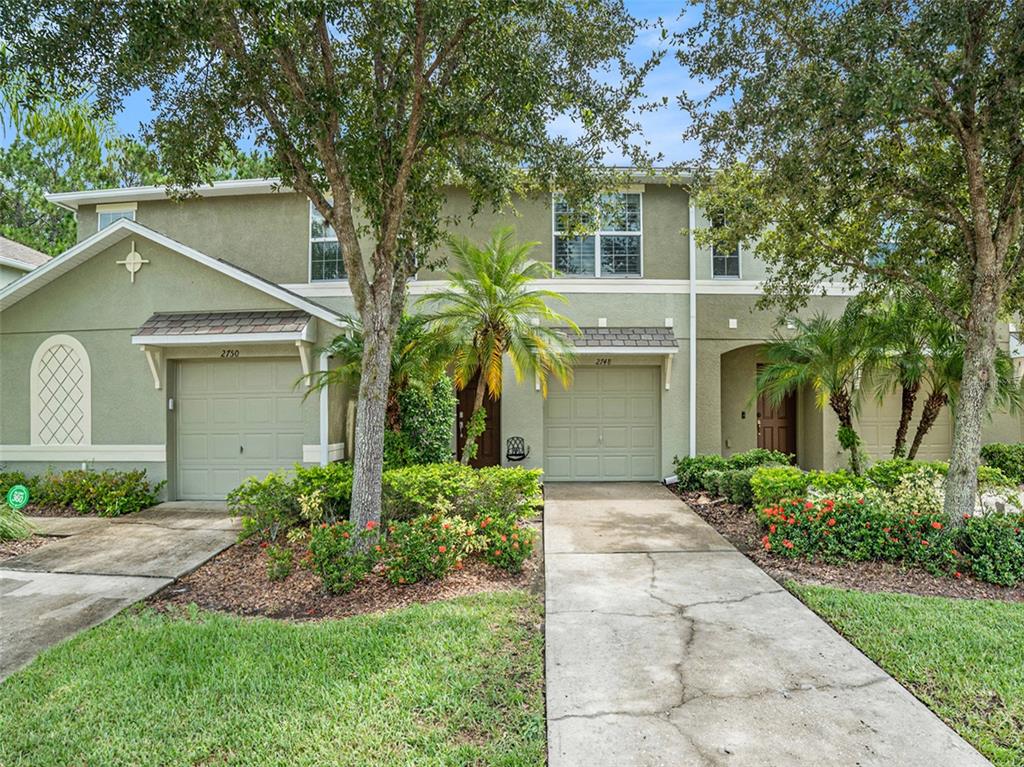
(456,682)
(963,658)
(11,549)
(235,581)
(740,526)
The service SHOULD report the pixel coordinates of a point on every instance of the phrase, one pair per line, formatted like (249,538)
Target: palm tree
(490,309)
(831,355)
(418,357)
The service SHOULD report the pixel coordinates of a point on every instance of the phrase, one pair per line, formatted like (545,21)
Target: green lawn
(964,658)
(450,683)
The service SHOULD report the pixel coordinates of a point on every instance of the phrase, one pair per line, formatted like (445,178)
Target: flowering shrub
(508,544)
(427,546)
(994,547)
(336,554)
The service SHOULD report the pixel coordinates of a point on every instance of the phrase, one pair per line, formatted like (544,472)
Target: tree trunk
(368,459)
(908,398)
(843,409)
(932,407)
(478,402)
(973,405)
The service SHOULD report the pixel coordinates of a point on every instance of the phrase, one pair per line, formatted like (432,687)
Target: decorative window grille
(61,393)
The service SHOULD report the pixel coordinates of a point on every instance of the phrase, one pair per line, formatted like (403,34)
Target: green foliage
(268,506)
(13,525)
(734,484)
(10,478)
(279,561)
(332,482)
(426,547)
(336,558)
(1009,458)
(507,544)
(477,425)
(771,484)
(427,417)
(106,493)
(994,547)
(758,456)
(691,472)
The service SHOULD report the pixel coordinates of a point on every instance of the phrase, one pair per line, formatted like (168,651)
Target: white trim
(117,207)
(597,234)
(335,452)
(155,359)
(666,370)
(590,285)
(71,200)
(220,338)
(325,449)
(35,398)
(12,264)
(612,350)
(309,252)
(692,383)
(86,453)
(118,231)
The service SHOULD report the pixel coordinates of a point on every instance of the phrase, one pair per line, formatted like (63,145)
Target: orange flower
(442,549)
(937,525)
(771,528)
(371,524)
(504,538)
(831,522)
(787,543)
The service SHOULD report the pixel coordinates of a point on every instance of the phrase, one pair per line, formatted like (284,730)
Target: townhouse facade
(174,334)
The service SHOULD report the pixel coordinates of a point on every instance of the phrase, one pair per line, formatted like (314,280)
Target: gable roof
(18,256)
(123,228)
(71,200)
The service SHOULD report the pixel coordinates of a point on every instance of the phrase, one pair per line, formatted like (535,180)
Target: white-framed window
(614,249)
(60,393)
(725,262)
(108,214)
(325,262)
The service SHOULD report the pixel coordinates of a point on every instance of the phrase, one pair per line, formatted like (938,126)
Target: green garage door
(605,428)
(236,419)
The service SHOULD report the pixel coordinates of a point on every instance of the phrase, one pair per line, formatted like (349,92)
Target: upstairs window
(725,262)
(615,249)
(108,214)
(324,251)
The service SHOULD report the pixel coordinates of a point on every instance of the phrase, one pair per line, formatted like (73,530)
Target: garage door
(605,428)
(236,419)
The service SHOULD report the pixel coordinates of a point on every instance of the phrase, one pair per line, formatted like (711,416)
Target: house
(173,334)
(16,260)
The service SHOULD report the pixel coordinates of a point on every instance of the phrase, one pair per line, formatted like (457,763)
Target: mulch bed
(10,549)
(53,511)
(235,581)
(740,527)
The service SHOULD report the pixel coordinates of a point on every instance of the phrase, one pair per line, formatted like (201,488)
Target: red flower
(957,574)
(860,501)
(497,552)
(967,516)
(504,538)
(924,542)
(345,535)
(442,549)
(787,543)
(771,528)
(831,522)
(264,545)
(371,524)
(937,525)
(808,505)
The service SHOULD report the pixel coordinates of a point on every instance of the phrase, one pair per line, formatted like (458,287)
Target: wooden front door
(776,424)
(489,453)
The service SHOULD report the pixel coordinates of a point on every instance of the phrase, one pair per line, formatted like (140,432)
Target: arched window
(61,392)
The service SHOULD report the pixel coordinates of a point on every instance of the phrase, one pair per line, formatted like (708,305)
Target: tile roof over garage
(223,323)
(626,337)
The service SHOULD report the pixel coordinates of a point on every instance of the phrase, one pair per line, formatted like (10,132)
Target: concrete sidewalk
(97,568)
(666,646)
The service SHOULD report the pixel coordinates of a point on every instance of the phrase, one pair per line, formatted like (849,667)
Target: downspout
(692,388)
(324,420)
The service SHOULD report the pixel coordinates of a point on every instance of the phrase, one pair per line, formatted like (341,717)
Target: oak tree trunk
(932,407)
(973,405)
(908,398)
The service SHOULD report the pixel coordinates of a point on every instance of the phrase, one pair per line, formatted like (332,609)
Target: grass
(963,658)
(449,683)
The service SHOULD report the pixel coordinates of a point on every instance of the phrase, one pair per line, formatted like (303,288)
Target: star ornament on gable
(133,262)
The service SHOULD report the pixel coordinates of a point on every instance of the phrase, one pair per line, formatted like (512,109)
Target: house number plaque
(603,362)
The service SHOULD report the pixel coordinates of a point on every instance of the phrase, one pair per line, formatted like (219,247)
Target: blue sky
(662,128)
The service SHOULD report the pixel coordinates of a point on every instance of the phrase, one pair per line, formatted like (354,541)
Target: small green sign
(17,497)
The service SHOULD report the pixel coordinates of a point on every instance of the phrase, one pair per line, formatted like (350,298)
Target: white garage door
(236,419)
(605,428)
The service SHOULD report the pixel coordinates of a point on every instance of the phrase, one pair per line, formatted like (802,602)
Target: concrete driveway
(666,646)
(97,568)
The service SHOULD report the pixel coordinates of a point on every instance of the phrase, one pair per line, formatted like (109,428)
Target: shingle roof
(633,337)
(15,251)
(223,323)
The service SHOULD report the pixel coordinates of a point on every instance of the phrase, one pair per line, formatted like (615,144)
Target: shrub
(267,506)
(691,472)
(107,493)
(507,544)
(279,561)
(918,492)
(758,457)
(13,525)
(771,484)
(415,490)
(337,559)
(427,417)
(734,484)
(334,484)
(1009,458)
(427,547)
(991,477)
(9,479)
(993,546)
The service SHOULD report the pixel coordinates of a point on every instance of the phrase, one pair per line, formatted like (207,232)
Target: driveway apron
(666,646)
(97,568)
